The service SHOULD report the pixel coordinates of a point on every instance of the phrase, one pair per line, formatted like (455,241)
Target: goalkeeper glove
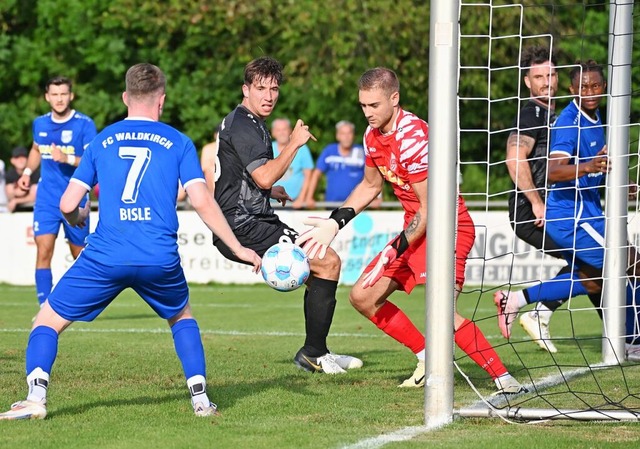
(316,240)
(387,256)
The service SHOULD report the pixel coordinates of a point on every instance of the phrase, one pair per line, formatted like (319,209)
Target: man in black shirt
(16,196)
(244,186)
(527,150)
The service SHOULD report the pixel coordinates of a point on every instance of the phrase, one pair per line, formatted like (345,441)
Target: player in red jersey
(396,150)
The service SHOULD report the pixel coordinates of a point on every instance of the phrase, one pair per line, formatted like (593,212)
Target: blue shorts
(88,287)
(47,220)
(581,240)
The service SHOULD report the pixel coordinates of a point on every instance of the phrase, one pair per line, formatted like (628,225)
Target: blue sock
(44,282)
(561,287)
(42,349)
(632,315)
(188,344)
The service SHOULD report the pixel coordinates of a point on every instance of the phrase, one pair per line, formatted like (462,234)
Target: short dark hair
(144,79)
(583,67)
(536,54)
(379,78)
(261,68)
(58,81)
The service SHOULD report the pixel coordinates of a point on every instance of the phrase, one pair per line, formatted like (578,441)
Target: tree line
(203,45)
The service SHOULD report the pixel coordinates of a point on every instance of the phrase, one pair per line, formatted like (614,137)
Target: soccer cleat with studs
(509,385)
(347,362)
(201,410)
(538,330)
(324,364)
(26,410)
(507,304)
(417,378)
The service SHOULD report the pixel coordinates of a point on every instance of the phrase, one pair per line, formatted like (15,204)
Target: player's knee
(358,298)
(328,266)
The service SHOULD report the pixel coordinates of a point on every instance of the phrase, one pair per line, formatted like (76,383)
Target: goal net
(588,376)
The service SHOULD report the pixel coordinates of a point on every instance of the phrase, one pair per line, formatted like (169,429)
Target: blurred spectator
(3,195)
(208,163)
(16,195)
(297,178)
(343,164)
(208,160)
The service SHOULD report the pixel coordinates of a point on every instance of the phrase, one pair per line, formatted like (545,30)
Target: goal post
(441,214)
(619,106)
(446,138)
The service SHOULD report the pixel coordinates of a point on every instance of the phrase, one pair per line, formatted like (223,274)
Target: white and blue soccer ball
(285,267)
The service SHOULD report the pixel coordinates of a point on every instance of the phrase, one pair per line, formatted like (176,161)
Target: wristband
(342,216)
(400,244)
(27,171)
(71,159)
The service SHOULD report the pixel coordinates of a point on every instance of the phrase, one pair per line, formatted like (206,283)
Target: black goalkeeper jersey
(534,121)
(244,145)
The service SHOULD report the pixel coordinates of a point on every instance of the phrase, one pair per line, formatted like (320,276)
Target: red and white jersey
(401,155)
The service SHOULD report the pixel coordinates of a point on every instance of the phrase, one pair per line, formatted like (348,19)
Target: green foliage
(325,46)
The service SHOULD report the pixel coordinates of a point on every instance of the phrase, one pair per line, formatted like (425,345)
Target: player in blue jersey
(527,150)
(138,163)
(574,217)
(59,140)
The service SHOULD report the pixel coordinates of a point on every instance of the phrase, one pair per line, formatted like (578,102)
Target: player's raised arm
(209,211)
(266,175)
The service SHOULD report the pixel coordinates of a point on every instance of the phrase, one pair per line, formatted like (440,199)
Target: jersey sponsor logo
(66,136)
(393,163)
(393,178)
(42,134)
(45,150)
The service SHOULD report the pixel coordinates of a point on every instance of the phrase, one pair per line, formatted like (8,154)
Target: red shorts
(410,269)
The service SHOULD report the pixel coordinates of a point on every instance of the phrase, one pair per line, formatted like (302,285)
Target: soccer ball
(285,267)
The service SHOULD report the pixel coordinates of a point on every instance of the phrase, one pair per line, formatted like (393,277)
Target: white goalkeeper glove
(316,240)
(387,256)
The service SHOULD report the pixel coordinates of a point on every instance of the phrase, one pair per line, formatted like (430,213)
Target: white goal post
(444,135)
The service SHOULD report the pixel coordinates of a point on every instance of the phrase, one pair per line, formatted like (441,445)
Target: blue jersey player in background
(138,163)
(574,217)
(59,140)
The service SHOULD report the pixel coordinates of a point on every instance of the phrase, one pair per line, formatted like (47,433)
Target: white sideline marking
(542,384)
(404,434)
(409,433)
(94,330)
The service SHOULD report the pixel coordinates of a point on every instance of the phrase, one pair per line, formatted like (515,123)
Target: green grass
(118,384)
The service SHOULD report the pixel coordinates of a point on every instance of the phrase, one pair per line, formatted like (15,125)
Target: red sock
(470,339)
(393,322)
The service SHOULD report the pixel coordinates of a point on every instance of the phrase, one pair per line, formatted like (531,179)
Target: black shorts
(259,235)
(522,221)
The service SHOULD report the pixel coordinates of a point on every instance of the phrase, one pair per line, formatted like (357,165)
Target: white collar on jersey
(584,114)
(140,118)
(395,125)
(64,120)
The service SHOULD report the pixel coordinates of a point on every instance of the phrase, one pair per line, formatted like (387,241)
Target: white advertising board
(497,257)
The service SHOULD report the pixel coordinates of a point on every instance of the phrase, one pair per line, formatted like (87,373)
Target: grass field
(118,384)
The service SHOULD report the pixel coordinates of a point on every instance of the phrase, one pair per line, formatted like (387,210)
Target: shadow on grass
(120,402)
